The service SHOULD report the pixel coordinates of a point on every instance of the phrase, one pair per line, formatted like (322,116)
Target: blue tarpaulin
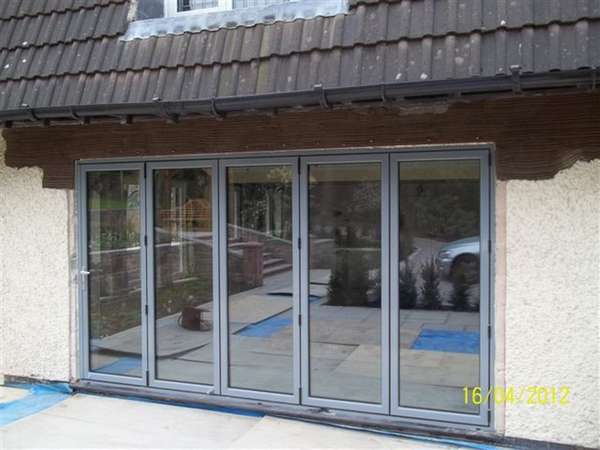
(122,366)
(447,341)
(39,398)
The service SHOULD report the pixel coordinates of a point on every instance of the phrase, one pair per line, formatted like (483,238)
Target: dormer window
(174,7)
(162,17)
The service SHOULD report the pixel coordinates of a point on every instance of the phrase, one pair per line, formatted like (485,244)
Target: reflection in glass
(260,278)
(345,281)
(183,250)
(114,288)
(439,287)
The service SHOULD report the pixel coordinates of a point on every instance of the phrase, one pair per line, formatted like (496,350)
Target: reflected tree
(430,290)
(407,287)
(460,291)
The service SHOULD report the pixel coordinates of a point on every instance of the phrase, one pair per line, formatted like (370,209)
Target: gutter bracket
(323,101)
(78,118)
(169,117)
(126,119)
(383,94)
(34,117)
(515,72)
(214,111)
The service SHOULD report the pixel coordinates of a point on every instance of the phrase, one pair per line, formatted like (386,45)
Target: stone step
(274,270)
(269,262)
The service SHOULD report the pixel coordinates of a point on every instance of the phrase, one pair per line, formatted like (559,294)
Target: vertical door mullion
(84,361)
(150,278)
(216,276)
(297,308)
(484,277)
(223,313)
(394,269)
(144,202)
(304,284)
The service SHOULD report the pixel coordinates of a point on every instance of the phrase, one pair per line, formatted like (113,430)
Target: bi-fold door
(260,335)
(183,297)
(345,319)
(440,284)
(112,278)
(356,282)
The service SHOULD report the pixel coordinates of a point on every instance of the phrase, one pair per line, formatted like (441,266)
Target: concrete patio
(84,421)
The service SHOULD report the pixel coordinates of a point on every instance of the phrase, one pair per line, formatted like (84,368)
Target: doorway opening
(356,282)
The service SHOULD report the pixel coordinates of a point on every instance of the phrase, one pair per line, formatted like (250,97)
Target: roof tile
(68,51)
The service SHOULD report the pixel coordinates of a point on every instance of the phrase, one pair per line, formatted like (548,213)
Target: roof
(70,55)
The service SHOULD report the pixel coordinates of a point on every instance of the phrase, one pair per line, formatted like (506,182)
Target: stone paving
(345,344)
(85,421)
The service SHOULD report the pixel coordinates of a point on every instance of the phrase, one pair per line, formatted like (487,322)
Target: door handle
(84,272)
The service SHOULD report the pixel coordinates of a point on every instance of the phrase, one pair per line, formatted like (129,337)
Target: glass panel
(183,270)
(260,278)
(344,215)
(257,3)
(114,263)
(188,5)
(438,280)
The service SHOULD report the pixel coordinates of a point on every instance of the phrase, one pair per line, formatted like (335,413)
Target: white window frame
(171,8)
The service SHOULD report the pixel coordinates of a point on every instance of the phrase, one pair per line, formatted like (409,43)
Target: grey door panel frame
(82,171)
(483,156)
(307,398)
(389,157)
(223,272)
(154,381)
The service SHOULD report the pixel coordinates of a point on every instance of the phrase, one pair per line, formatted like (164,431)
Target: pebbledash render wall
(35,293)
(547,293)
(552,303)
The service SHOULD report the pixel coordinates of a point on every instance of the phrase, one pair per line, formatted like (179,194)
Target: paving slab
(100,422)
(364,360)
(302,435)
(87,421)
(9,394)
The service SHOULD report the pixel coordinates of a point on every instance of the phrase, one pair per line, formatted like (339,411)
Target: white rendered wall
(552,303)
(35,295)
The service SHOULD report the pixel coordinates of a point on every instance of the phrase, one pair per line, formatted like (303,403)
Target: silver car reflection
(459,255)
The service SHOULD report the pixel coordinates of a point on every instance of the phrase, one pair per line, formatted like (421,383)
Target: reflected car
(459,255)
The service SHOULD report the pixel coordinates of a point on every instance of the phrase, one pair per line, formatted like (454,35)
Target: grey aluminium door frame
(389,157)
(484,157)
(307,399)
(83,169)
(224,164)
(151,319)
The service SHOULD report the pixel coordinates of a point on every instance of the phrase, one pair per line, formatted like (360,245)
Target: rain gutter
(218,107)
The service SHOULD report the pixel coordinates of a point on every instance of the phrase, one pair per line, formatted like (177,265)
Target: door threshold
(370,422)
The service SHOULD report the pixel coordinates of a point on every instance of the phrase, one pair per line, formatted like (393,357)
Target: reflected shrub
(430,290)
(407,287)
(460,291)
(349,283)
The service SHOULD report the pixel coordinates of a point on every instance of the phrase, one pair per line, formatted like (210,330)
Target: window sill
(195,21)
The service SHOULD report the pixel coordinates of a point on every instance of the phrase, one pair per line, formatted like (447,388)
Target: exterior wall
(552,303)
(34,276)
(547,284)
